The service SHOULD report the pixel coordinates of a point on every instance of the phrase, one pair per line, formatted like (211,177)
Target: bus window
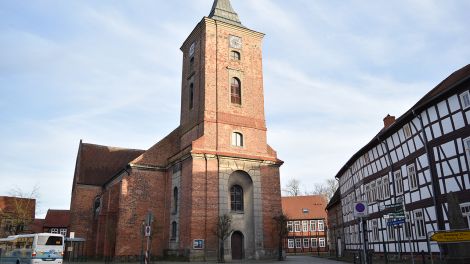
(49,241)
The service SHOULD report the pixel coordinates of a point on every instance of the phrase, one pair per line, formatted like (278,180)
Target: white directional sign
(360,209)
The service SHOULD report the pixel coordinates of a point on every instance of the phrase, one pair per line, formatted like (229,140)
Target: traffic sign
(396,222)
(148,231)
(393,216)
(360,209)
(451,236)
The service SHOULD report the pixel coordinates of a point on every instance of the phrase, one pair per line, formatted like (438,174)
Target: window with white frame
(237,139)
(407,130)
(366,157)
(379,189)
(412,178)
(465,99)
(313,225)
(321,242)
(373,193)
(466,143)
(54,230)
(290,243)
(398,183)
(290,226)
(313,242)
(297,226)
(420,225)
(298,243)
(321,226)
(63,231)
(465,207)
(391,232)
(367,191)
(305,226)
(407,227)
(375,230)
(306,244)
(386,188)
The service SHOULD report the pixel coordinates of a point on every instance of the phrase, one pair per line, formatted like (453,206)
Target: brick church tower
(217,162)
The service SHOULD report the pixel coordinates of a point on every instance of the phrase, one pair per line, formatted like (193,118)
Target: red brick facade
(184,180)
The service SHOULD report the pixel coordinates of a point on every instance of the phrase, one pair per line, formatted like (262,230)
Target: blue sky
(108,72)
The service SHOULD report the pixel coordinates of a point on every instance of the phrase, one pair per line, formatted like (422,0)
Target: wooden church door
(237,245)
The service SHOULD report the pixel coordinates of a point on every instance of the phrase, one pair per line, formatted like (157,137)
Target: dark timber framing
(439,124)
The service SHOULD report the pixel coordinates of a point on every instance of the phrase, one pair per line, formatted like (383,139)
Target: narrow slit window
(175,200)
(191,96)
(235,91)
(191,65)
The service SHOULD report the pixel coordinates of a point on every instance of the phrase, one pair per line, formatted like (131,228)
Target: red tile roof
(57,218)
(314,205)
(98,164)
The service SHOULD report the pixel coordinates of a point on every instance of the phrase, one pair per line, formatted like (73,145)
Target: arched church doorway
(237,245)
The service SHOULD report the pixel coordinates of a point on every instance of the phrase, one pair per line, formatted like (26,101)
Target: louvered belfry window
(236,91)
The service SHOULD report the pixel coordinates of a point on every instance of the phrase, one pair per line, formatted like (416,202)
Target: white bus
(32,249)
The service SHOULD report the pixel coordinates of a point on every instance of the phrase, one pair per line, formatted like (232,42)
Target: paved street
(290,259)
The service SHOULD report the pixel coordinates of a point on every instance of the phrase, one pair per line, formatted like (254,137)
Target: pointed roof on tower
(222,10)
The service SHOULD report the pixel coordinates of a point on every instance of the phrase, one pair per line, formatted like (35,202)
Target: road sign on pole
(451,236)
(396,222)
(360,209)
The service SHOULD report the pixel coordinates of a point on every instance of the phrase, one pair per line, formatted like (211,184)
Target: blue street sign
(396,222)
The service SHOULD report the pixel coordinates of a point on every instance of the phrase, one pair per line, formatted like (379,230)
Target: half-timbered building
(306,224)
(416,159)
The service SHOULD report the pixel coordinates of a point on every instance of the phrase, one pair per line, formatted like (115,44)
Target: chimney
(388,121)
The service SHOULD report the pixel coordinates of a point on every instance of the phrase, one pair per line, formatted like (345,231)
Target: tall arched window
(236,198)
(174,230)
(237,139)
(191,65)
(175,200)
(191,96)
(236,91)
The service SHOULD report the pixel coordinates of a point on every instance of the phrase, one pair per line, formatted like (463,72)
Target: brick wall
(81,215)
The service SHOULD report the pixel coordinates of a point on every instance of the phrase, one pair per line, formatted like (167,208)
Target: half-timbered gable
(418,158)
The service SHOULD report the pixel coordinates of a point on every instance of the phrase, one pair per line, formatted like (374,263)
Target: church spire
(222,10)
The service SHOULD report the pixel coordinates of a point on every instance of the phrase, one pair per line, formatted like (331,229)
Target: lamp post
(142,232)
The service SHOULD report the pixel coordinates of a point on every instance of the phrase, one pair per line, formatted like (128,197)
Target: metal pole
(429,248)
(364,242)
(70,253)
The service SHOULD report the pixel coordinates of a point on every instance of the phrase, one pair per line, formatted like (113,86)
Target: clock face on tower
(235,42)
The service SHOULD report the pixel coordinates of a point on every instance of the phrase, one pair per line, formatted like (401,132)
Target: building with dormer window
(306,225)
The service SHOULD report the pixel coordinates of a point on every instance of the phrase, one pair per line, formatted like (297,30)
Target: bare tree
(327,189)
(18,215)
(282,231)
(223,231)
(292,188)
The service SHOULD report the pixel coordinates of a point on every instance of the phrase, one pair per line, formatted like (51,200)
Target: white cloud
(109,73)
